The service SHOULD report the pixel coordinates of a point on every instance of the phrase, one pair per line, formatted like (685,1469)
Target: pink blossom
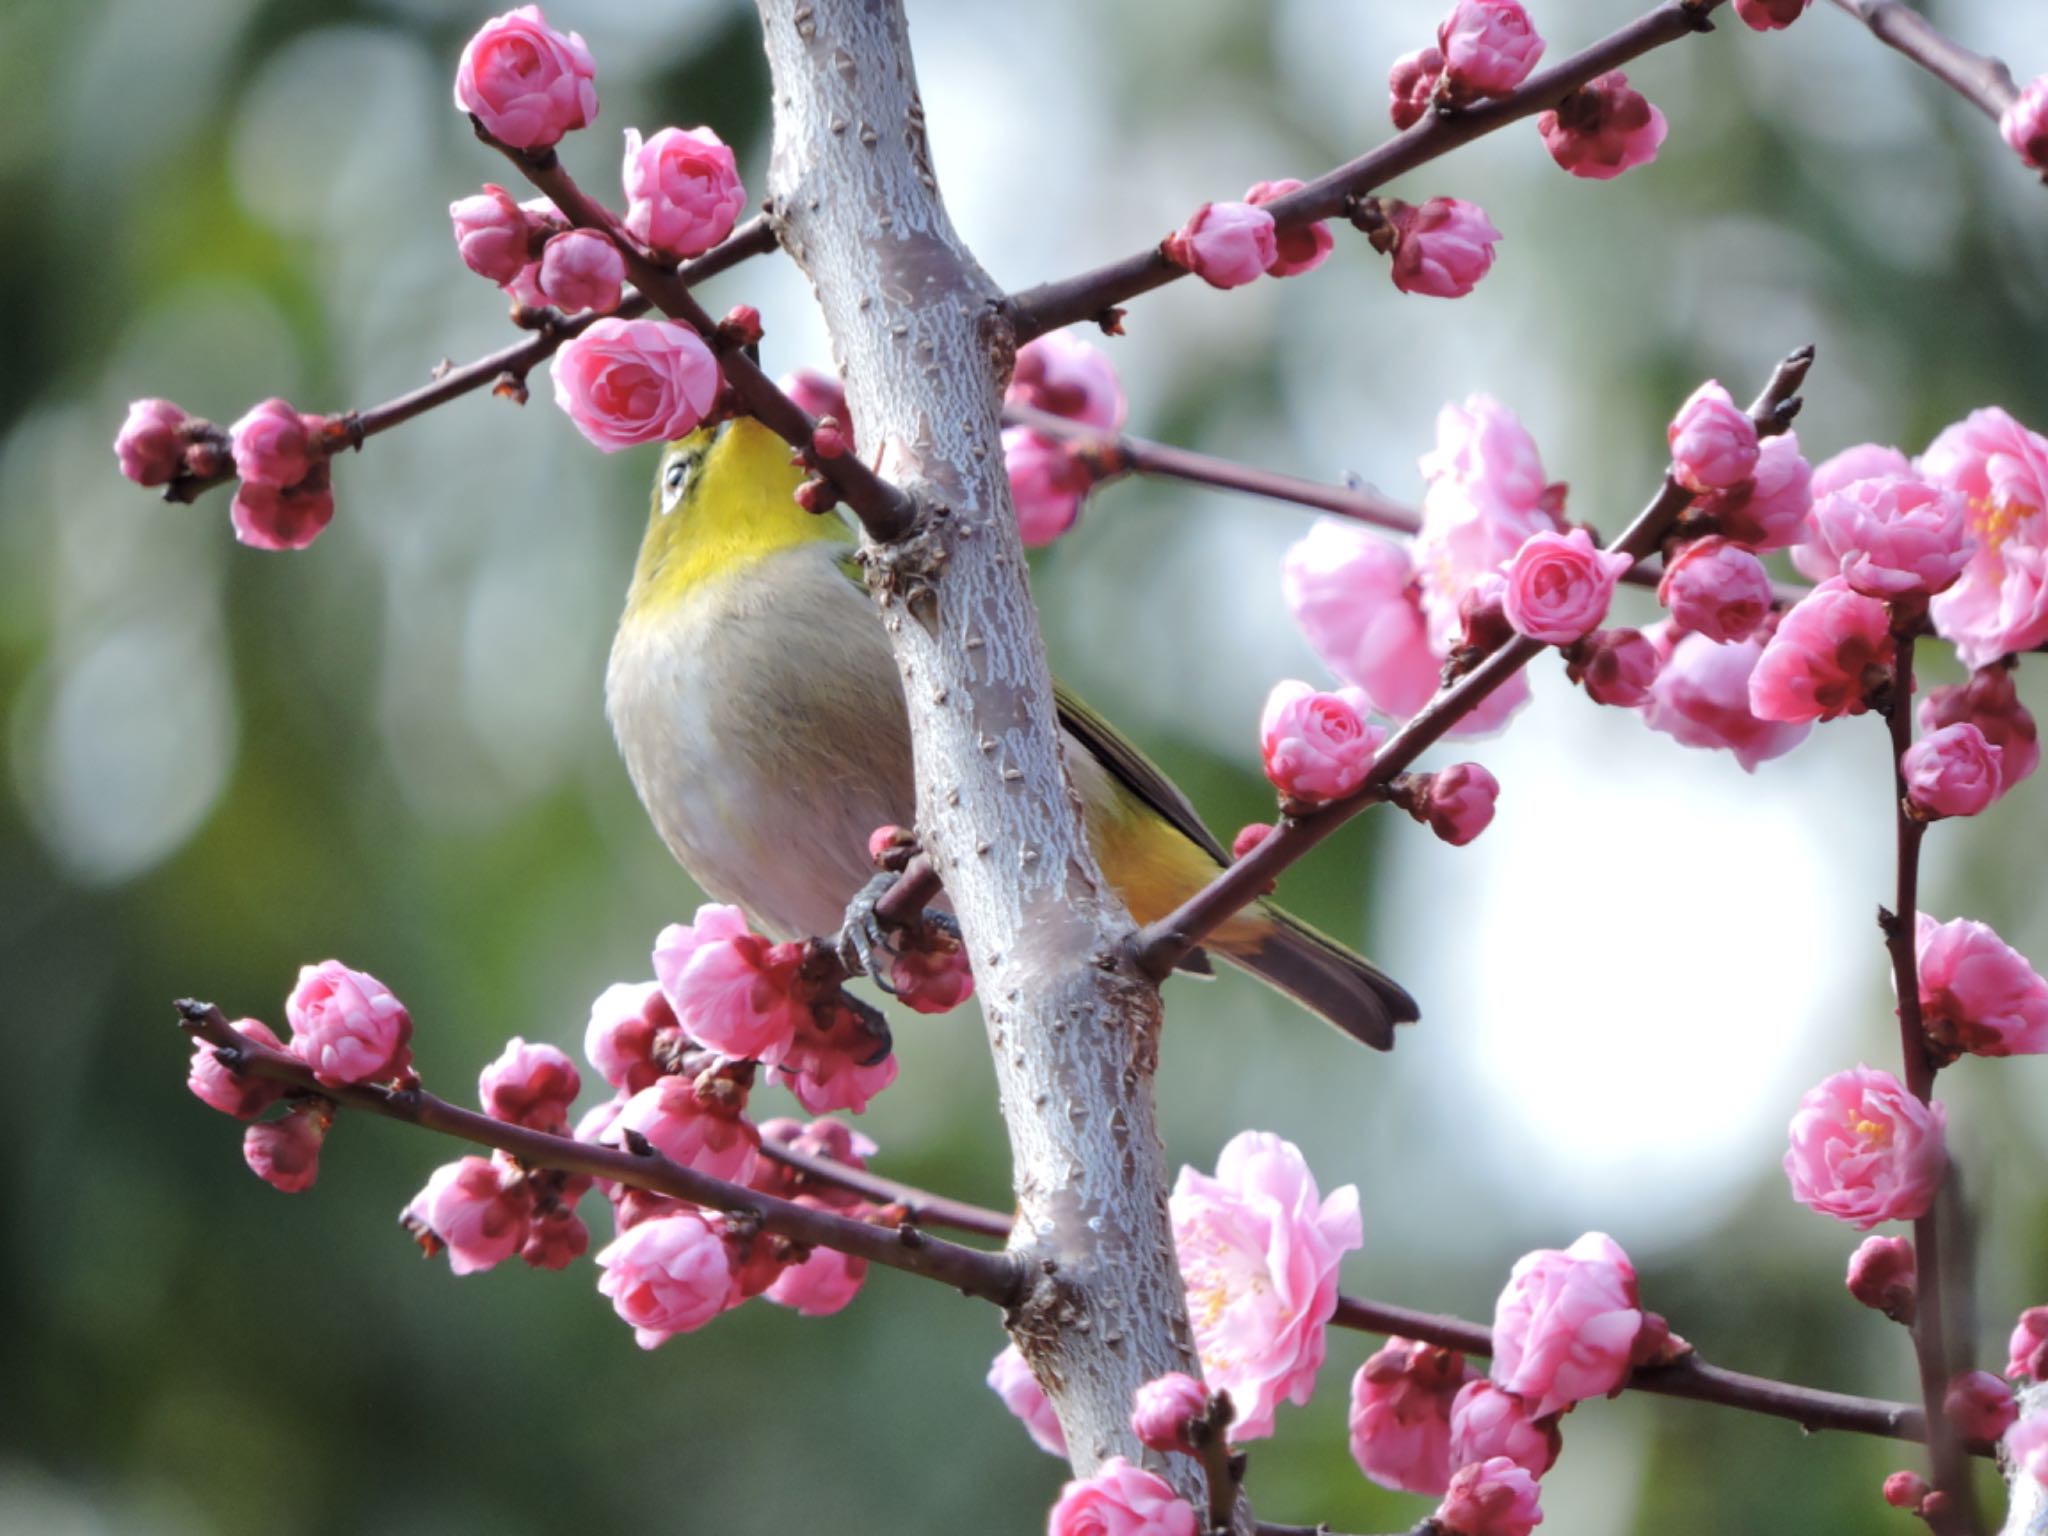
(274,444)
(1010,1378)
(2028,1346)
(1443,248)
(218,1086)
(1769,510)
(1769,15)
(1863,461)
(151,442)
(1063,375)
(1259,1249)
(1884,1276)
(1827,658)
(2025,123)
(2026,1447)
(820,394)
(1489,47)
(824,1282)
(491,233)
(1990,702)
(1317,746)
(2000,469)
(1701,698)
(1358,602)
(1715,587)
(347,1026)
(1411,85)
(701,1128)
(626,1021)
(1047,482)
(285,1153)
(282,517)
(1302,248)
(1226,245)
(1495,1497)
(1249,836)
(1905,1490)
(478,1213)
(1401,1415)
(683,191)
(580,270)
(1951,772)
(1713,442)
(1602,129)
(1162,1410)
(530,1085)
(1559,586)
(835,1062)
(1457,802)
(1864,1150)
(936,978)
(555,1239)
(1486,497)
(628,382)
(1119,1499)
(1977,993)
(731,989)
(1566,1326)
(1980,1406)
(1893,535)
(1615,666)
(666,1276)
(526,83)
(1487,1422)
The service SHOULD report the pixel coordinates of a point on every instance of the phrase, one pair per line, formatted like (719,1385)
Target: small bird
(758,708)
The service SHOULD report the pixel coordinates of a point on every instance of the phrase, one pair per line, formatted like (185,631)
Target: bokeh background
(221,763)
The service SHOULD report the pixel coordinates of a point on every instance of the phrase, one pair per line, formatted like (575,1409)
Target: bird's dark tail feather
(1344,987)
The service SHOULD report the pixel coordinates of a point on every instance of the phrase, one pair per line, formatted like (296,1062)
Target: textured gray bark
(1072,1025)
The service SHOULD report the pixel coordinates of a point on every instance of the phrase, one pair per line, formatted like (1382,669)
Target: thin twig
(1094,295)
(991,1276)
(922,1206)
(1982,81)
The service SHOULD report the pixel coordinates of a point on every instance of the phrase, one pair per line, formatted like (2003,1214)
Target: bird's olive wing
(1135,770)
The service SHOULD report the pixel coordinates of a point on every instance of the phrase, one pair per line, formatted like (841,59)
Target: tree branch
(922,1206)
(1092,295)
(1984,82)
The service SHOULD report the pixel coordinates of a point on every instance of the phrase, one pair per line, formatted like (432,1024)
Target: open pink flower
(1162,1409)
(1768,510)
(1443,248)
(1302,248)
(836,1062)
(683,191)
(1770,15)
(626,1022)
(1062,375)
(1259,1249)
(1010,1378)
(1864,1150)
(1401,1415)
(2028,1346)
(2000,469)
(628,382)
(1951,772)
(1565,1328)
(1884,1274)
(1486,496)
(1717,588)
(1488,46)
(1411,85)
(526,83)
(475,1210)
(730,988)
(1977,993)
(1226,245)
(1495,1497)
(1560,585)
(581,270)
(1602,129)
(1317,746)
(1701,699)
(347,1026)
(1121,1500)
(667,1276)
(491,233)
(1047,483)
(824,1282)
(701,1128)
(1893,535)
(1487,1422)
(241,1094)
(2024,124)
(1358,602)
(1713,442)
(285,1153)
(1826,659)
(531,1085)
(1989,701)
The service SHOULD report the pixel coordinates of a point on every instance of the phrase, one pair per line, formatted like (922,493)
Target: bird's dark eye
(672,482)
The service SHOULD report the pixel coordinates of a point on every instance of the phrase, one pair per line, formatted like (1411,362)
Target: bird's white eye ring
(672,483)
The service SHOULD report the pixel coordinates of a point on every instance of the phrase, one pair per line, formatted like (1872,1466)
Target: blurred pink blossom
(1226,245)
(1401,1415)
(1977,993)
(1884,1276)
(1864,1150)
(1121,1500)
(285,1153)
(1980,1406)
(1602,129)
(1717,588)
(1358,602)
(2028,1346)
(1951,772)
(1713,442)
(1989,701)
(475,1211)
(1827,658)
(1302,248)
(2025,123)
(526,83)
(531,1085)
(1495,1497)
(1010,1378)
(730,988)
(1487,1422)
(2000,469)
(1162,1409)
(1770,15)
(1488,46)
(1893,535)
(1443,248)
(1047,481)
(241,1094)
(626,1020)
(1566,1326)
(1411,84)
(1701,698)
(491,233)
(1063,375)
(1768,510)
(667,1276)
(581,270)
(700,1130)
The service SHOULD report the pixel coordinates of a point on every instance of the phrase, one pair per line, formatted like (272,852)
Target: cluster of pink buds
(285,497)
(1230,244)
(1061,375)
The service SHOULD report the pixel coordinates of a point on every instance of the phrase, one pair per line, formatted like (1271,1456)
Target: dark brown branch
(1984,82)
(922,1206)
(1162,945)
(1091,295)
(1424,1527)
(992,1276)
(510,365)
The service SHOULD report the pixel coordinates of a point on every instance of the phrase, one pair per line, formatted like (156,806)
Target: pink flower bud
(2026,1447)
(477,1210)
(530,1085)
(1905,1490)
(1357,598)
(730,988)
(628,382)
(1443,248)
(151,442)
(1770,15)
(1457,802)
(667,1276)
(555,1239)
(1828,658)
(527,84)
(1884,1276)
(683,191)
(1401,1415)
(1010,1378)
(1864,1150)
(2025,123)
(1980,1406)
(1226,245)
(1560,585)
(241,1094)
(820,395)
(1565,1328)
(626,1022)
(581,270)
(1495,1497)
(1951,772)
(703,1131)
(1713,442)
(1162,1410)
(1063,375)
(1047,482)
(1716,588)
(1616,667)
(1769,510)
(823,1283)
(1249,836)
(1894,535)
(1989,701)
(1411,85)
(934,979)
(835,1063)
(1302,248)
(1977,993)
(1317,746)
(1121,1500)
(1489,48)
(491,233)
(2028,1346)
(1602,129)
(347,1026)
(272,445)
(1701,698)
(1487,1422)
(282,517)
(285,1153)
